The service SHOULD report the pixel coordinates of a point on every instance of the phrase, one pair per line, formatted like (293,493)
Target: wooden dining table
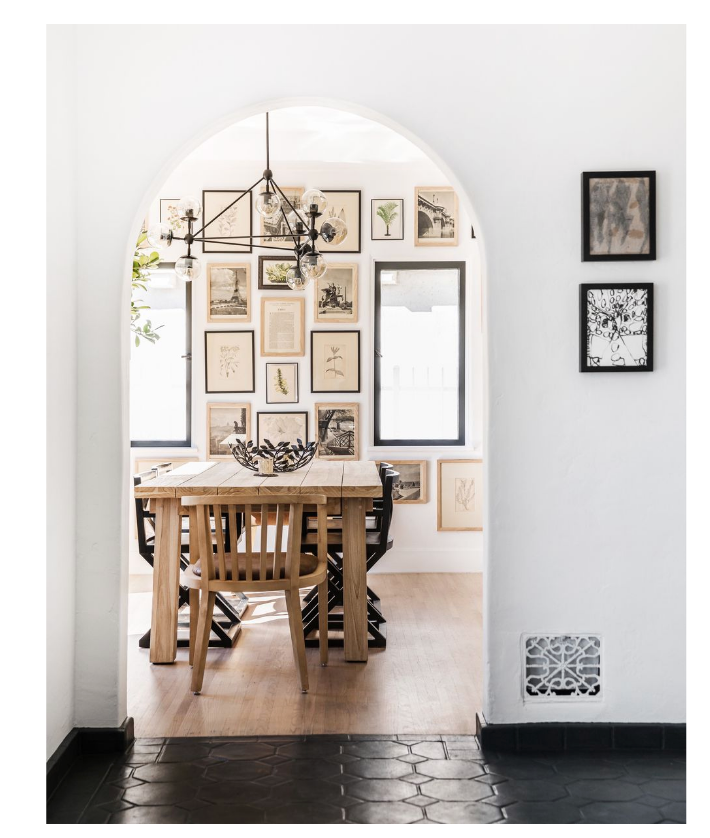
(349,486)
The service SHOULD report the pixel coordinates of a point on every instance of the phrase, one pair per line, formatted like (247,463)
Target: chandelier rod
(236,244)
(296,239)
(229,206)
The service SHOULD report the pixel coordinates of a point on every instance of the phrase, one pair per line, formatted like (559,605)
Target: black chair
(377,543)
(226,628)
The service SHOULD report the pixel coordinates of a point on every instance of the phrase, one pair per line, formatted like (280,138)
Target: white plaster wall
(585,473)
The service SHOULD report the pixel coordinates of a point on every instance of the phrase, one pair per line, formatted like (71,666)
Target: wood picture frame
(236,222)
(336,294)
(226,370)
(230,424)
(275,315)
(336,352)
(394,229)
(282,383)
(347,205)
(436,216)
(283,429)
(336,439)
(274,266)
(402,493)
(228,287)
(459,489)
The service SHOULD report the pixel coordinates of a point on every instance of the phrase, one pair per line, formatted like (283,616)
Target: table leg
(166,580)
(354,579)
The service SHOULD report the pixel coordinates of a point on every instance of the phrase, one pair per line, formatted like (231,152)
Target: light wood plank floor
(427,680)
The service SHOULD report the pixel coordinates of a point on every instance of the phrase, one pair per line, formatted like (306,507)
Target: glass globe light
(314,196)
(295,279)
(313,266)
(189,208)
(334,231)
(294,217)
(268,204)
(160,235)
(188,268)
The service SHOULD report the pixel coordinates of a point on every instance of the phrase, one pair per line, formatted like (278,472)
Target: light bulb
(268,204)
(160,235)
(313,266)
(334,231)
(311,197)
(189,208)
(295,279)
(294,217)
(188,268)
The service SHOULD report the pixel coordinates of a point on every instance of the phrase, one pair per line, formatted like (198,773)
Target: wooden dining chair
(216,566)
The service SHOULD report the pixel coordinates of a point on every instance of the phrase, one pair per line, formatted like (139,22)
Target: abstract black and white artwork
(616,327)
(618,216)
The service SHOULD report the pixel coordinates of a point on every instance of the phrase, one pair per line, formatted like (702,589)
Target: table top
(340,479)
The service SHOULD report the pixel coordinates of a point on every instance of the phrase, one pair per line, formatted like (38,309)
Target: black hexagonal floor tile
(243,750)
(238,770)
(376,749)
(624,811)
(542,812)
(606,790)
(430,750)
(451,769)
(384,813)
(379,769)
(310,750)
(156,794)
(380,790)
(168,772)
(458,790)
(233,793)
(224,813)
(316,768)
(150,814)
(667,789)
(464,813)
(305,811)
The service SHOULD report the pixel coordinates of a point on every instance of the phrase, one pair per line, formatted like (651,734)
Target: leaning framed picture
(274,230)
(616,327)
(411,485)
(228,292)
(226,422)
(229,362)
(282,383)
(335,362)
(387,219)
(345,205)
(233,226)
(283,326)
(282,426)
(273,270)
(169,215)
(459,495)
(335,297)
(436,216)
(618,216)
(338,430)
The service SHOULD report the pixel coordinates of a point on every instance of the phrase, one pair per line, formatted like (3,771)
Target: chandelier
(300,223)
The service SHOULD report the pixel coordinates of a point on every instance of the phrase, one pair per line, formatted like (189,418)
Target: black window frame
(421,443)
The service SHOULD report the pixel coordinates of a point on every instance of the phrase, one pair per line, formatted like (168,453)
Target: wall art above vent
(562,666)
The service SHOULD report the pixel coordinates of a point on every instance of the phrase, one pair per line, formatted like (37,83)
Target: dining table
(349,485)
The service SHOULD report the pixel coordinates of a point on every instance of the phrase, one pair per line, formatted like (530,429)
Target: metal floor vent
(567,665)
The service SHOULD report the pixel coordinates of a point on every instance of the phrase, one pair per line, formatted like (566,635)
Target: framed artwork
(387,219)
(281,383)
(459,495)
(232,225)
(338,430)
(618,216)
(282,426)
(226,423)
(228,292)
(436,219)
(229,362)
(616,327)
(335,362)
(169,215)
(343,204)
(335,297)
(283,326)
(411,485)
(272,272)
(276,229)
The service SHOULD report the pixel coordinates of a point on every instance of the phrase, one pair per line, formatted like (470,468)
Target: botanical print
(436,216)
(465,490)
(335,362)
(338,430)
(410,486)
(617,327)
(273,270)
(226,423)
(281,383)
(276,229)
(387,221)
(459,495)
(228,292)
(619,215)
(282,427)
(336,295)
(344,205)
(169,215)
(232,225)
(229,362)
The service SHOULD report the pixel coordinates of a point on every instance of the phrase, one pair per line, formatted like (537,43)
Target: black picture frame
(260,273)
(358,192)
(253,358)
(261,413)
(285,364)
(584,288)
(237,248)
(373,201)
(359,357)
(587,255)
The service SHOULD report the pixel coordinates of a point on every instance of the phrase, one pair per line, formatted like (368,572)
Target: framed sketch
(234,225)
(281,383)
(335,297)
(335,362)
(338,431)
(616,327)
(229,362)
(283,326)
(459,495)
(343,204)
(228,292)
(411,485)
(282,426)
(276,229)
(436,216)
(272,272)
(169,215)
(387,219)
(618,216)
(226,422)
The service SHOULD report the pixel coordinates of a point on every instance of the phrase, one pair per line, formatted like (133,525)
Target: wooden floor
(427,680)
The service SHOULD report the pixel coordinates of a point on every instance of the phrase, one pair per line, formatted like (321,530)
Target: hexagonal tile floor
(366,779)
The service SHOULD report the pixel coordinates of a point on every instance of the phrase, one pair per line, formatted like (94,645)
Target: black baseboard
(568,736)
(86,740)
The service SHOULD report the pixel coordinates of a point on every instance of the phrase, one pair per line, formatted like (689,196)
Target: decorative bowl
(286,456)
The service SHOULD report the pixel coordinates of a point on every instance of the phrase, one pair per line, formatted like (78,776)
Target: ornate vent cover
(562,665)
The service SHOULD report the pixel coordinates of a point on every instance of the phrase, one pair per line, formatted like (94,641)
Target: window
(419,353)
(161,372)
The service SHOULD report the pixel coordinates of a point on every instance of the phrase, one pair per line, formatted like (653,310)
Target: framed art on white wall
(343,204)
(436,216)
(338,430)
(282,426)
(335,362)
(273,270)
(169,215)
(335,295)
(283,328)
(411,485)
(229,362)
(233,226)
(387,219)
(282,383)
(459,495)
(226,423)
(276,229)
(228,292)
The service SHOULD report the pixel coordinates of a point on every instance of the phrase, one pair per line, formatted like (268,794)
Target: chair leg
(323,621)
(194,613)
(203,638)
(295,623)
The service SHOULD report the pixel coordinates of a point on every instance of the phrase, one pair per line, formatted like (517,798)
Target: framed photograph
(459,495)
(343,204)
(618,216)
(229,362)
(226,423)
(281,383)
(338,430)
(282,426)
(616,327)
(283,326)
(276,229)
(411,485)
(335,362)
(387,219)
(436,219)
(272,272)
(335,297)
(232,225)
(169,215)
(228,292)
